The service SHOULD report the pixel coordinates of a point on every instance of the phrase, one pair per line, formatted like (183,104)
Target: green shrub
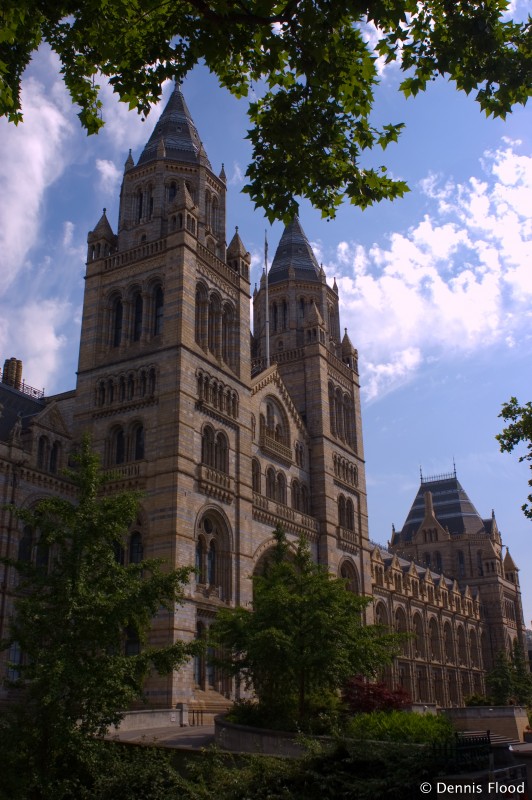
(475,700)
(400,726)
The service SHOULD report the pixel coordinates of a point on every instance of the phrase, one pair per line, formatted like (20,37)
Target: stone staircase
(206,706)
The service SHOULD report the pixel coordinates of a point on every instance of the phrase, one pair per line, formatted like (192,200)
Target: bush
(323,715)
(475,700)
(400,726)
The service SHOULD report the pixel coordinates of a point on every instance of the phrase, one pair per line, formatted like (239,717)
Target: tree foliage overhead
(518,432)
(312,64)
(71,620)
(304,637)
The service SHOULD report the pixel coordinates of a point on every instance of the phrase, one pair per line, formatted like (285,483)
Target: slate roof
(452,508)
(294,250)
(14,404)
(175,129)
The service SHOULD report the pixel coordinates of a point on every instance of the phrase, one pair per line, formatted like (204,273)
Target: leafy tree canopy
(304,637)
(518,432)
(312,64)
(510,680)
(76,607)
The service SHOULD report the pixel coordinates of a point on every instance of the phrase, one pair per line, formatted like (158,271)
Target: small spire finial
(104,210)
(421,473)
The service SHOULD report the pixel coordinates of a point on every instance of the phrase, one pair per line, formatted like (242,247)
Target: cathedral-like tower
(164,375)
(319,368)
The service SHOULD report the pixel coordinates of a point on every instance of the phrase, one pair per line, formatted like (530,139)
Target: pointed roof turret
(236,246)
(129,162)
(294,251)
(175,134)
(103,229)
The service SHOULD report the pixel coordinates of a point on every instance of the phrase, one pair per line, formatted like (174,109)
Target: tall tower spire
(175,130)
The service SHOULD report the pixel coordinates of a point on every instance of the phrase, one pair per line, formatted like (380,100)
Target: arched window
(43,450)
(227,335)
(152,381)
(55,455)
(419,637)
(438,566)
(138,205)
(296,495)
(281,488)
(172,191)
(137,316)
(349,515)
(348,573)
(332,409)
(158,310)
(255,476)
(201,323)
(270,483)
(200,560)
(341,511)
(117,318)
(136,551)
(138,442)
(211,564)
(215,215)
(221,453)
(214,325)
(25,545)
(101,393)
(42,555)
(304,500)
(462,650)
(461,563)
(434,637)
(120,447)
(207,447)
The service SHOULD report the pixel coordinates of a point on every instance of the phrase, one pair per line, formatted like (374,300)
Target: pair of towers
(180,401)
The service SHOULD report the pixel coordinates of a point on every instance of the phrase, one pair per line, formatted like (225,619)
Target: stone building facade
(183,404)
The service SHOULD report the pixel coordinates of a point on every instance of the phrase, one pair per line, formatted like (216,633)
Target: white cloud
(237,176)
(31,333)
(110,175)
(457,282)
(35,155)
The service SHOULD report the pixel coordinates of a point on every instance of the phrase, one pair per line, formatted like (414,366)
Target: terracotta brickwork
(182,404)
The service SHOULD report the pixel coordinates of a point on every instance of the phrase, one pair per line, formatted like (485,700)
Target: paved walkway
(190,738)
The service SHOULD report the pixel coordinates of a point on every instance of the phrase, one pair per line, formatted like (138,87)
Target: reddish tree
(362,696)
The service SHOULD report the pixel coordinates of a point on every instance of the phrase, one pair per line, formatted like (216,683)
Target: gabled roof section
(271,377)
(451,506)
(294,252)
(15,405)
(175,135)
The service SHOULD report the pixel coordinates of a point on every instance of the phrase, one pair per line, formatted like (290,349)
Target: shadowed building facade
(183,405)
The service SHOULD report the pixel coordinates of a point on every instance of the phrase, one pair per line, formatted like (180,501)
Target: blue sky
(435,289)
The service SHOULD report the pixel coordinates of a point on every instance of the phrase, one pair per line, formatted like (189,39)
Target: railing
(216,483)
(127,471)
(273,446)
(25,388)
(135,254)
(347,537)
(218,264)
(271,507)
